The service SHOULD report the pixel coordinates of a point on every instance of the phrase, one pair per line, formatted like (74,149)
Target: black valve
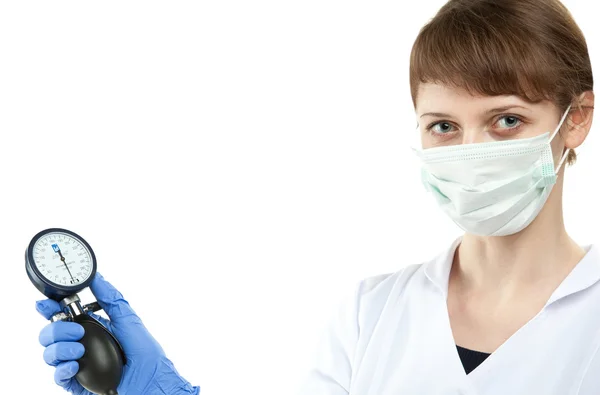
(101,367)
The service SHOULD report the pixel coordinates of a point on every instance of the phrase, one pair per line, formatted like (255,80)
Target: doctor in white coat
(503,95)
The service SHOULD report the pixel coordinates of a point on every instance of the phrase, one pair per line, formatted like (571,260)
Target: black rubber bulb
(101,367)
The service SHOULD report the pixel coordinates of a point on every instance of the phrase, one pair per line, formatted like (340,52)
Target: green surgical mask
(494,188)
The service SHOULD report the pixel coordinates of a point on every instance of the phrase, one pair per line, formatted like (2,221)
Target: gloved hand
(147,371)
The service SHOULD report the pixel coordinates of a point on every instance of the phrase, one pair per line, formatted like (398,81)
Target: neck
(541,254)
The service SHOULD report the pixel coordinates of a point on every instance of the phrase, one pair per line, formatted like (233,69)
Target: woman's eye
(509,122)
(441,128)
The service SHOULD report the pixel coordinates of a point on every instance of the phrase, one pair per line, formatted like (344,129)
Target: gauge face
(62,259)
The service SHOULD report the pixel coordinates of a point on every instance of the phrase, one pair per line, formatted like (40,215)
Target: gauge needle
(62,258)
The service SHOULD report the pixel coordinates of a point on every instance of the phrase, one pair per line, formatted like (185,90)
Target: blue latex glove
(148,371)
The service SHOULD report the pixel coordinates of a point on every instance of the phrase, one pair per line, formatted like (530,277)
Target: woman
(503,95)
(502,91)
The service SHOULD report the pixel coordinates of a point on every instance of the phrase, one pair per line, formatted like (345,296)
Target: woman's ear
(579,120)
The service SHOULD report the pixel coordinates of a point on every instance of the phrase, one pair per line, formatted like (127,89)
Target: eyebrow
(491,111)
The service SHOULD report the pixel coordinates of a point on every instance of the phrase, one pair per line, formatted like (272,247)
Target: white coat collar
(585,274)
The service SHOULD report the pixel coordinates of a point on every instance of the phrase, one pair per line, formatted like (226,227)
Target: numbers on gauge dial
(62,259)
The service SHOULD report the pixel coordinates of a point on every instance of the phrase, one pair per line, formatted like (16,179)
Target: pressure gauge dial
(59,263)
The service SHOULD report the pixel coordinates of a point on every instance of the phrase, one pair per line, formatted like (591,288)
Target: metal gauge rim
(32,270)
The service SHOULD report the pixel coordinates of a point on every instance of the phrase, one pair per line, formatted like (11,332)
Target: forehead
(434,97)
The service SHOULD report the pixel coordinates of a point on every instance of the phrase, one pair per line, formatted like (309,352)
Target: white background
(237,167)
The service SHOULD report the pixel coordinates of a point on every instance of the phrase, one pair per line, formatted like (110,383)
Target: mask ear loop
(562,160)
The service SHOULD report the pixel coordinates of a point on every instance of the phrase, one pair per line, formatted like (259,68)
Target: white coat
(394,338)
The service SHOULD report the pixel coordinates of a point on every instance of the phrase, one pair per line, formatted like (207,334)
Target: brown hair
(530,48)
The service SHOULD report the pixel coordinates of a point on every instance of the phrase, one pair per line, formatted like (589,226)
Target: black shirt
(471,358)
